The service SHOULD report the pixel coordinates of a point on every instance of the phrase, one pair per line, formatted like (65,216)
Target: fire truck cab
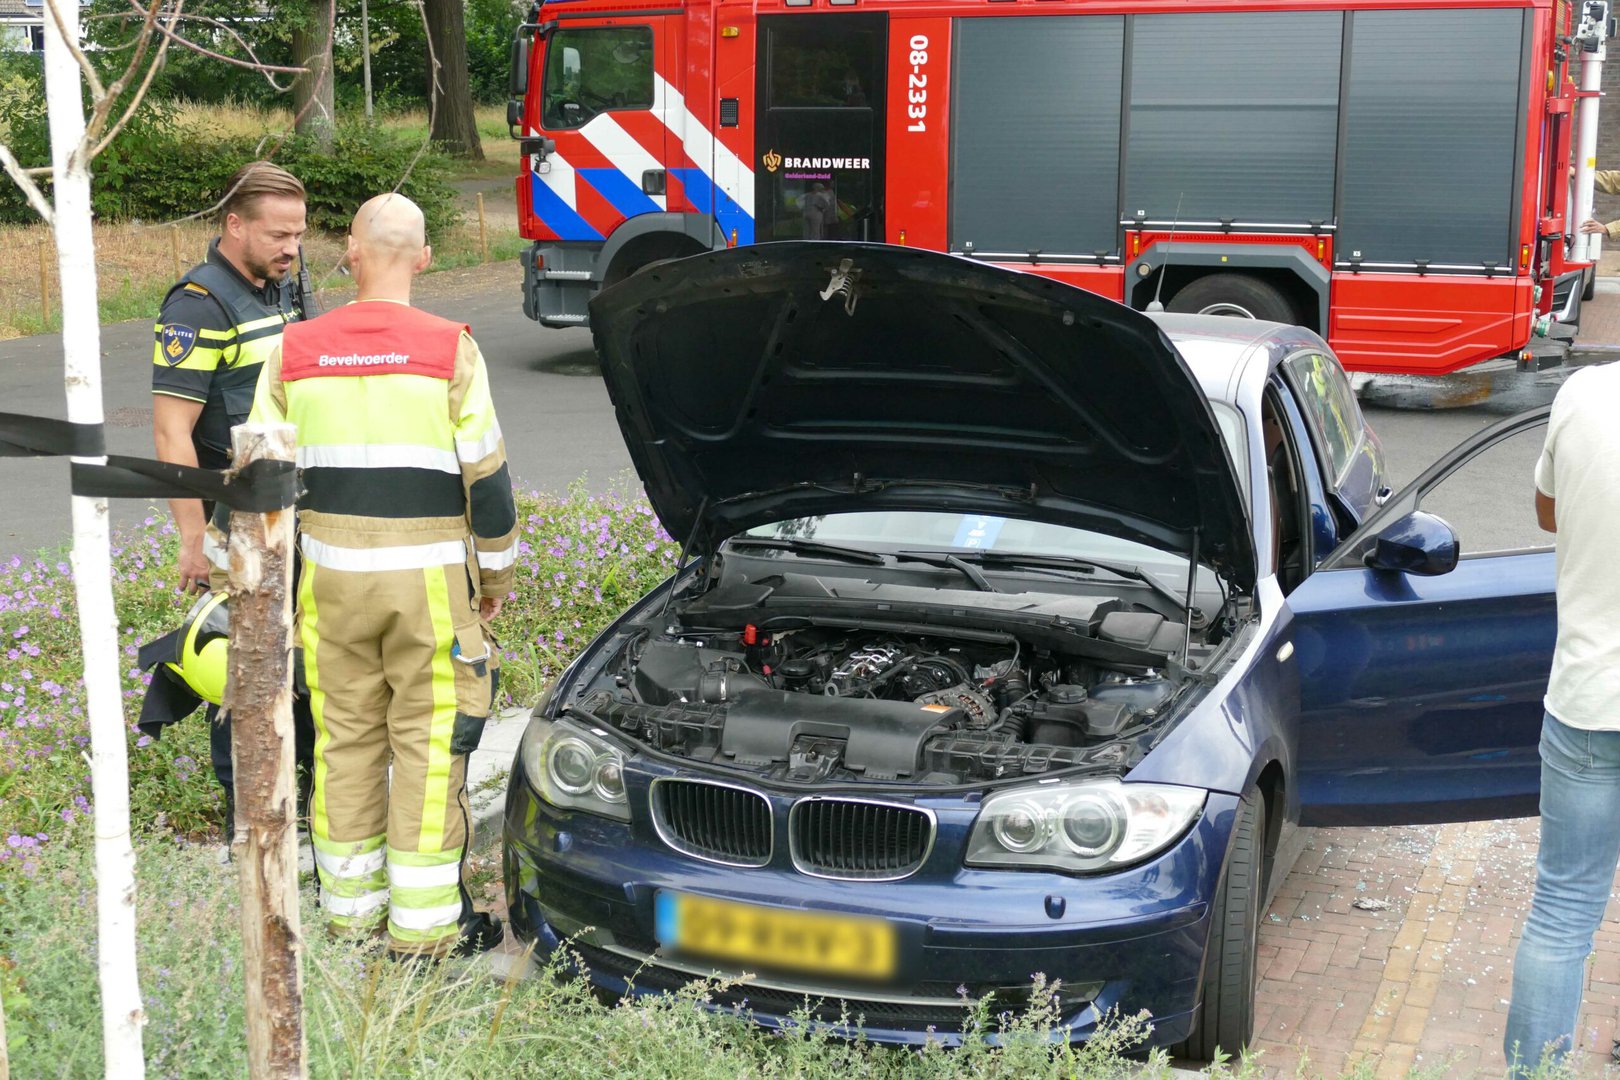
(1402,177)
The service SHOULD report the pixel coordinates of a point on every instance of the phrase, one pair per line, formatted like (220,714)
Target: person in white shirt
(1577,499)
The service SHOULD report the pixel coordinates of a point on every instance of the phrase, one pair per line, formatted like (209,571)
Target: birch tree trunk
(121,1014)
(259,695)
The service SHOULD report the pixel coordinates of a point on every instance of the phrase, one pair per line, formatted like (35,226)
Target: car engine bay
(805,680)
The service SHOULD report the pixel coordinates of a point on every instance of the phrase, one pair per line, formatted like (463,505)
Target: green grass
(365,1017)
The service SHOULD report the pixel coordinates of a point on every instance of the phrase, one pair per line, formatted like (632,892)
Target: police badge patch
(177,342)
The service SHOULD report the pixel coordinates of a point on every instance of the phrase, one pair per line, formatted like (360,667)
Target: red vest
(375,337)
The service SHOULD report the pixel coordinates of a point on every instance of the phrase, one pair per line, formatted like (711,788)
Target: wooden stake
(174,249)
(5,1066)
(44,284)
(258,694)
(483,237)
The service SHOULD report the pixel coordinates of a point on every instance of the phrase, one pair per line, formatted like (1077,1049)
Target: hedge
(157,170)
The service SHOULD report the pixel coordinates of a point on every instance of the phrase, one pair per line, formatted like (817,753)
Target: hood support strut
(686,555)
(1192,596)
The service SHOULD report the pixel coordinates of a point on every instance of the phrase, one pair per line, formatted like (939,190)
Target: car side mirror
(1419,543)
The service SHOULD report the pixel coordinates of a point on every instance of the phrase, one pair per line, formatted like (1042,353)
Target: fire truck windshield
(596,70)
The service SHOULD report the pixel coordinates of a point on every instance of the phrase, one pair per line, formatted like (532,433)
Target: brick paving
(1600,316)
(1424,981)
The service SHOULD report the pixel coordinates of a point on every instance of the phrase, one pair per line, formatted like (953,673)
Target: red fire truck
(1403,176)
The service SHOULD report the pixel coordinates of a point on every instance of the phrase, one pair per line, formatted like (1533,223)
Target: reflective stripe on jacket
(400,453)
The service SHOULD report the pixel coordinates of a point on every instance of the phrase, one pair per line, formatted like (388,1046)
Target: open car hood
(787,380)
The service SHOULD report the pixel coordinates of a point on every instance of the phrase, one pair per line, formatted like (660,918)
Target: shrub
(366,162)
(158,169)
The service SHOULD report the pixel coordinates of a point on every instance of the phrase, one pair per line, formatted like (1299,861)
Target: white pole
(365,53)
(1587,246)
(121,1014)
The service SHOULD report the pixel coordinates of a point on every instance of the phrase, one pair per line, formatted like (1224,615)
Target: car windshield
(925,530)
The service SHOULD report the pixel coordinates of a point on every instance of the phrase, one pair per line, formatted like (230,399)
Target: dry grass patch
(135,265)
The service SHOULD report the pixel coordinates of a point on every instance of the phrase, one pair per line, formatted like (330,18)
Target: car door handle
(1382,496)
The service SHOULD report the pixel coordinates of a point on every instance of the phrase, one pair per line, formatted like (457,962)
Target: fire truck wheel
(1591,284)
(1236,295)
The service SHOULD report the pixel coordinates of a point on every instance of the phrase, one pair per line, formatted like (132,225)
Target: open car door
(1422,673)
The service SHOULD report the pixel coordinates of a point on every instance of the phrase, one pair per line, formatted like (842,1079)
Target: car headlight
(1086,825)
(574,767)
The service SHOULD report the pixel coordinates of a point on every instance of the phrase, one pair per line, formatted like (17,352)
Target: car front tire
(1225,1016)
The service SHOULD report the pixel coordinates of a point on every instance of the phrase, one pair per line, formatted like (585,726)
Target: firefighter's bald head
(388,244)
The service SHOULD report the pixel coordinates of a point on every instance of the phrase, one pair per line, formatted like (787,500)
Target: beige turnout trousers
(400,672)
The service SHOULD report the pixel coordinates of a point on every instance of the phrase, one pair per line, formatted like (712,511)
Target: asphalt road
(559,427)
(553,410)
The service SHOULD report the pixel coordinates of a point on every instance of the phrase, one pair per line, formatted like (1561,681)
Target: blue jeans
(1580,844)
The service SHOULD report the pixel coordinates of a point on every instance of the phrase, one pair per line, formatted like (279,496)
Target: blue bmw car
(1012,628)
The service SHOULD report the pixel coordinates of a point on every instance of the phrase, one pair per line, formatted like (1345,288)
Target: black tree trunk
(312,90)
(454,125)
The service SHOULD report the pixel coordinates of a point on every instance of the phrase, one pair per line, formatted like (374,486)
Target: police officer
(409,537)
(218,324)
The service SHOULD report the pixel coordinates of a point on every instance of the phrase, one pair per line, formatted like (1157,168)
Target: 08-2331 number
(917,85)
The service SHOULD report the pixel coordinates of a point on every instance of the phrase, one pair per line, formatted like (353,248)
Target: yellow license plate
(770,937)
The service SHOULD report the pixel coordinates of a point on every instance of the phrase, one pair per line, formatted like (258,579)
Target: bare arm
(172,421)
(1546,516)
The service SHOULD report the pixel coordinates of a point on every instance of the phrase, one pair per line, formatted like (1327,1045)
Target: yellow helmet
(200,650)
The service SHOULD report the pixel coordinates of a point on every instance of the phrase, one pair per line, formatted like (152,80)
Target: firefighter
(408,533)
(1608,182)
(217,325)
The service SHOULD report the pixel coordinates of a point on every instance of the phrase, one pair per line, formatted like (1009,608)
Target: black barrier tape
(258,489)
(36,436)
(262,487)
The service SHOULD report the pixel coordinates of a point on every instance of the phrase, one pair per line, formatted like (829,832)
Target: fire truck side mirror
(522,47)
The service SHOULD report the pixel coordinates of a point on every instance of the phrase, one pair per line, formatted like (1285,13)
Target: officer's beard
(268,270)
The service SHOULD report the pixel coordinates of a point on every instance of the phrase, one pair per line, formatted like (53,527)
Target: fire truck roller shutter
(1233,116)
(1035,134)
(1434,118)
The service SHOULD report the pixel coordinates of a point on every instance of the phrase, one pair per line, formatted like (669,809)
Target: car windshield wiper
(955,562)
(1080,565)
(810,547)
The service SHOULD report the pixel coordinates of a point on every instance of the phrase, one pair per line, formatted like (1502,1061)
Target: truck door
(821,95)
(598,102)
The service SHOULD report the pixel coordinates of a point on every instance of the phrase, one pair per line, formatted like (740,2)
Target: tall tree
(454,124)
(313,104)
